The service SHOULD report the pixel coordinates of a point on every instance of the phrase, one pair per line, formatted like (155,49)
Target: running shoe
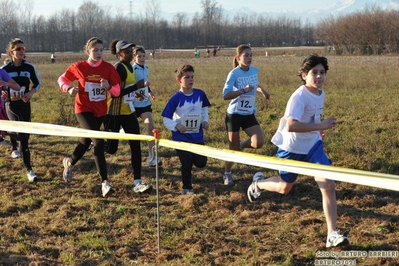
(67,174)
(141,187)
(335,239)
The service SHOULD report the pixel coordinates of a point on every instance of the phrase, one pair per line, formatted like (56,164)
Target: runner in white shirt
(299,137)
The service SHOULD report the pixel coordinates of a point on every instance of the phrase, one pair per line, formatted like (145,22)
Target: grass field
(53,223)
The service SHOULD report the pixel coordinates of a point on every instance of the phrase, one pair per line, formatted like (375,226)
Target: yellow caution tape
(57,130)
(379,180)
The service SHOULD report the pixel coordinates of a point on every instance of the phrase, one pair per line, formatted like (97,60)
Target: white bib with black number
(191,122)
(143,92)
(245,104)
(96,93)
(17,95)
(129,98)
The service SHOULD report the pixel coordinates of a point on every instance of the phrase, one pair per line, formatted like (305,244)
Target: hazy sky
(47,7)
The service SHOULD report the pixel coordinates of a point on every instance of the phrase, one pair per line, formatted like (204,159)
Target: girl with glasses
(18,102)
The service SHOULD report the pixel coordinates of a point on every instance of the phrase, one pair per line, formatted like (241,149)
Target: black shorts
(141,110)
(235,121)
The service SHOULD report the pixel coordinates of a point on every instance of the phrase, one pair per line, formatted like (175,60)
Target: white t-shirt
(305,107)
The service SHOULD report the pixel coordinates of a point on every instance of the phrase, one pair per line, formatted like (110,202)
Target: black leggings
(88,121)
(130,125)
(20,112)
(188,159)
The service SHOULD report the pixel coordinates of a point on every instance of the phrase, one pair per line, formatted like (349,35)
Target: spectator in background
(52,58)
(96,79)
(197,53)
(214,51)
(18,102)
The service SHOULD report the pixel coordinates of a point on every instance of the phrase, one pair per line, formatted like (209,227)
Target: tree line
(370,31)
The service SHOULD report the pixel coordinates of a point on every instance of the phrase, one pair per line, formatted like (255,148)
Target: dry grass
(52,223)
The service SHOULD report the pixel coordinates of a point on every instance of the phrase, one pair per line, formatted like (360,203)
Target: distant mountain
(346,7)
(339,8)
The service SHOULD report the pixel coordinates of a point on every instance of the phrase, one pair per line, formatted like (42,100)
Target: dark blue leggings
(188,159)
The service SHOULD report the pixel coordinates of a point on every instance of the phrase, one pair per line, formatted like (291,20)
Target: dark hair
(239,50)
(112,47)
(184,68)
(137,49)
(310,62)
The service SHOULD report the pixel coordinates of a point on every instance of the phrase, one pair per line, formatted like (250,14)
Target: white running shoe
(15,154)
(32,177)
(228,179)
(335,239)
(151,162)
(141,187)
(106,188)
(253,191)
(187,191)
(67,174)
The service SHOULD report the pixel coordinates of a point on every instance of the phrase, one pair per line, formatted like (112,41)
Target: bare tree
(210,11)
(90,16)
(68,31)
(179,32)
(370,31)
(153,17)
(25,18)
(8,25)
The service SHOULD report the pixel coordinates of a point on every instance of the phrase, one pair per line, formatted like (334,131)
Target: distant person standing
(18,103)
(240,88)
(96,79)
(214,51)
(299,137)
(207,52)
(143,104)
(52,58)
(153,54)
